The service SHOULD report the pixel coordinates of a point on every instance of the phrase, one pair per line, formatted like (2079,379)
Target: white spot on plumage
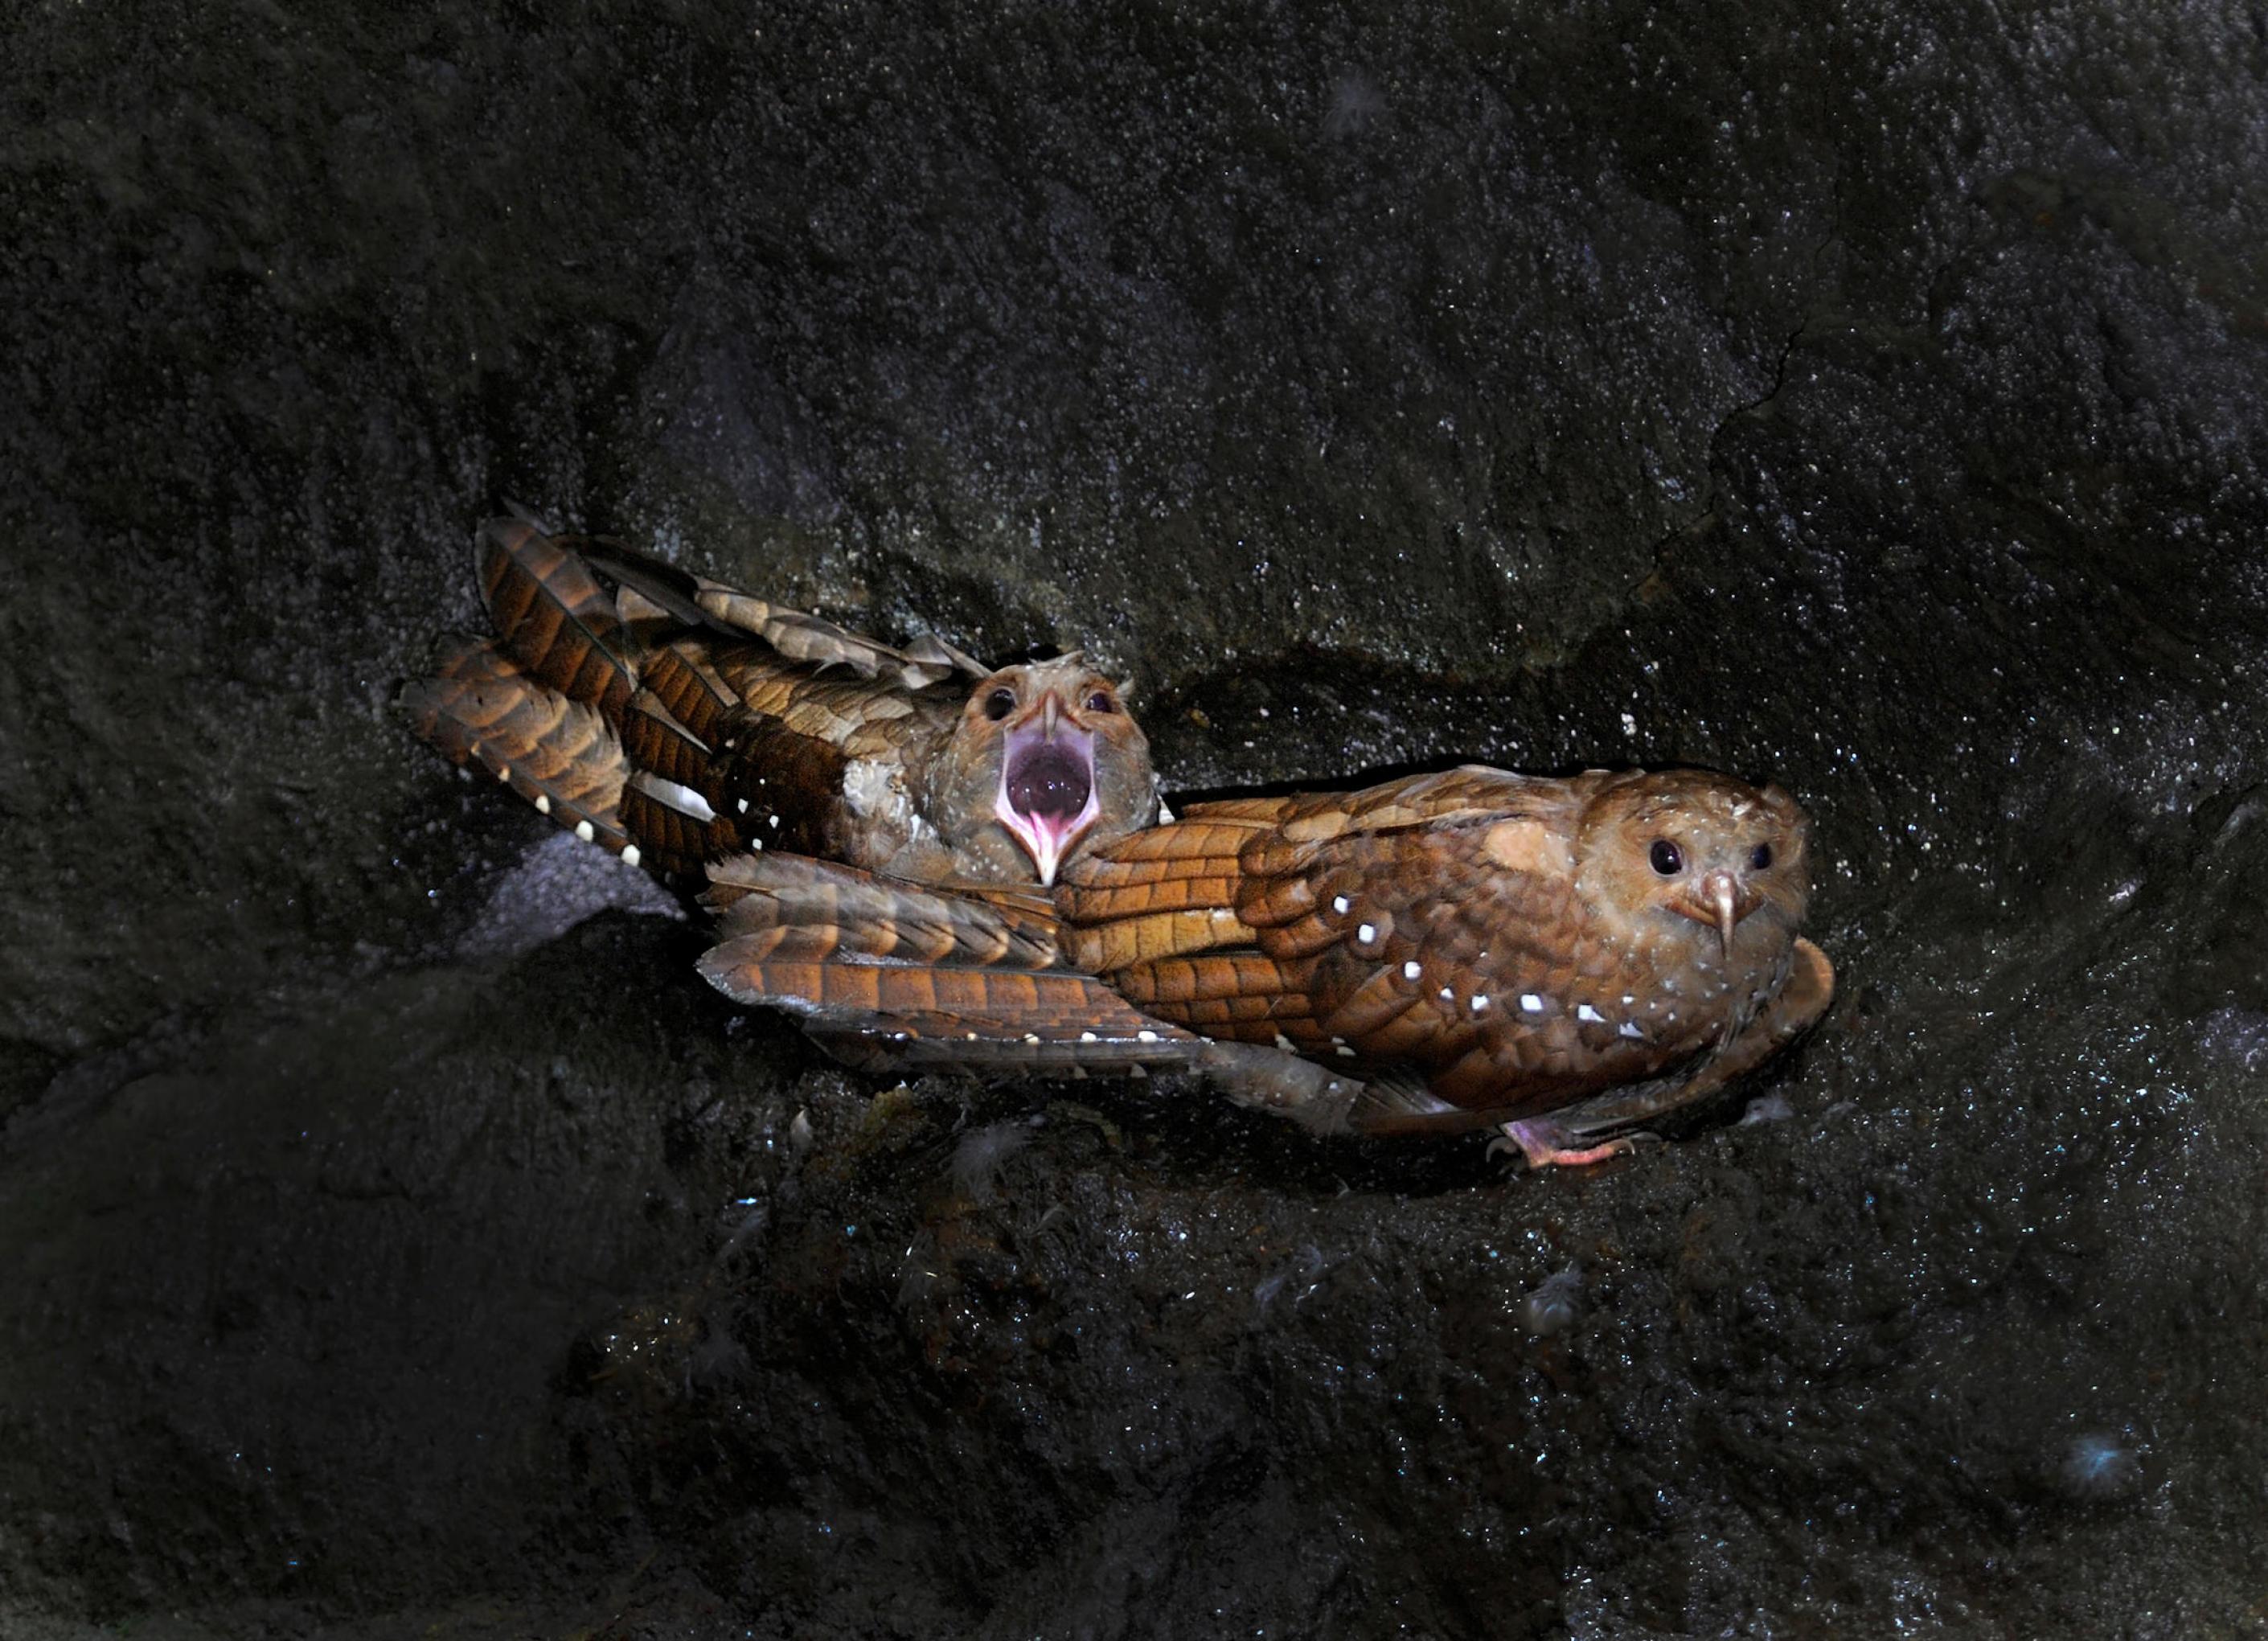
(1145,1036)
(584,831)
(630,855)
(1086,1036)
(1629,1028)
(1530,1004)
(1480,1002)
(684,799)
(744,805)
(771,820)
(1031,1036)
(1411,970)
(1341,904)
(1366,933)
(1348,1052)
(1286,1043)
(1585,1012)
(504,772)
(543,803)
(1448,995)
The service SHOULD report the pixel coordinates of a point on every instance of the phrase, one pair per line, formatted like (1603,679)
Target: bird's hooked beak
(1720,900)
(1047,798)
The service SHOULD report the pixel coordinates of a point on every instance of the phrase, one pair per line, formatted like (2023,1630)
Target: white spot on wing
(1341,904)
(583,830)
(684,799)
(1530,1004)
(1585,1012)
(543,803)
(1630,1029)
(1366,933)
(1411,970)
(630,854)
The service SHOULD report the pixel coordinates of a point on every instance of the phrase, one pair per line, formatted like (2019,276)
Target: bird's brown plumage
(1442,951)
(680,722)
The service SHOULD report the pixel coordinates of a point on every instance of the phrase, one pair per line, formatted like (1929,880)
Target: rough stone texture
(1872,396)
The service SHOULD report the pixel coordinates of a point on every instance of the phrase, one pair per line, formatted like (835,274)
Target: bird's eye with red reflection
(1665,857)
(1100,701)
(999,703)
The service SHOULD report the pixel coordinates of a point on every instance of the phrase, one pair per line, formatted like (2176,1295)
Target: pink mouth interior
(1048,779)
(1046,794)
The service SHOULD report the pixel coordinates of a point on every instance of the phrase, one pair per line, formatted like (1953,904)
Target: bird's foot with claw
(1544,1144)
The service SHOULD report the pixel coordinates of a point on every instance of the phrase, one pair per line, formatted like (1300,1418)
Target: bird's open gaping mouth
(1047,788)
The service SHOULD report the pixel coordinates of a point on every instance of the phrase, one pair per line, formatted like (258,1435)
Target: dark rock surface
(1873,397)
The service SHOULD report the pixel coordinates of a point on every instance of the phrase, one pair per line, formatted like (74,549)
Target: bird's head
(1690,844)
(1071,764)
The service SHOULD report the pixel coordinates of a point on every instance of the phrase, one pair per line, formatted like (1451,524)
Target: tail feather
(656,741)
(559,755)
(817,643)
(691,695)
(927,977)
(670,841)
(804,907)
(552,616)
(1171,851)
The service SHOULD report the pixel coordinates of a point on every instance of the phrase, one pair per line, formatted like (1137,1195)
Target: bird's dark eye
(1100,701)
(1667,857)
(999,703)
(1760,856)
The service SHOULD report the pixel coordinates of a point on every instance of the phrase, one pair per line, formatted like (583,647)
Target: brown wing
(665,592)
(819,644)
(551,615)
(930,975)
(1212,879)
(559,755)
(700,765)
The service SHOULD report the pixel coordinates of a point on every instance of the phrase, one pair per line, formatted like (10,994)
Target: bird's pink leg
(1539,1141)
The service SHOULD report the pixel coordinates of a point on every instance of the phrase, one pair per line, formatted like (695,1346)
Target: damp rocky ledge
(401,1240)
